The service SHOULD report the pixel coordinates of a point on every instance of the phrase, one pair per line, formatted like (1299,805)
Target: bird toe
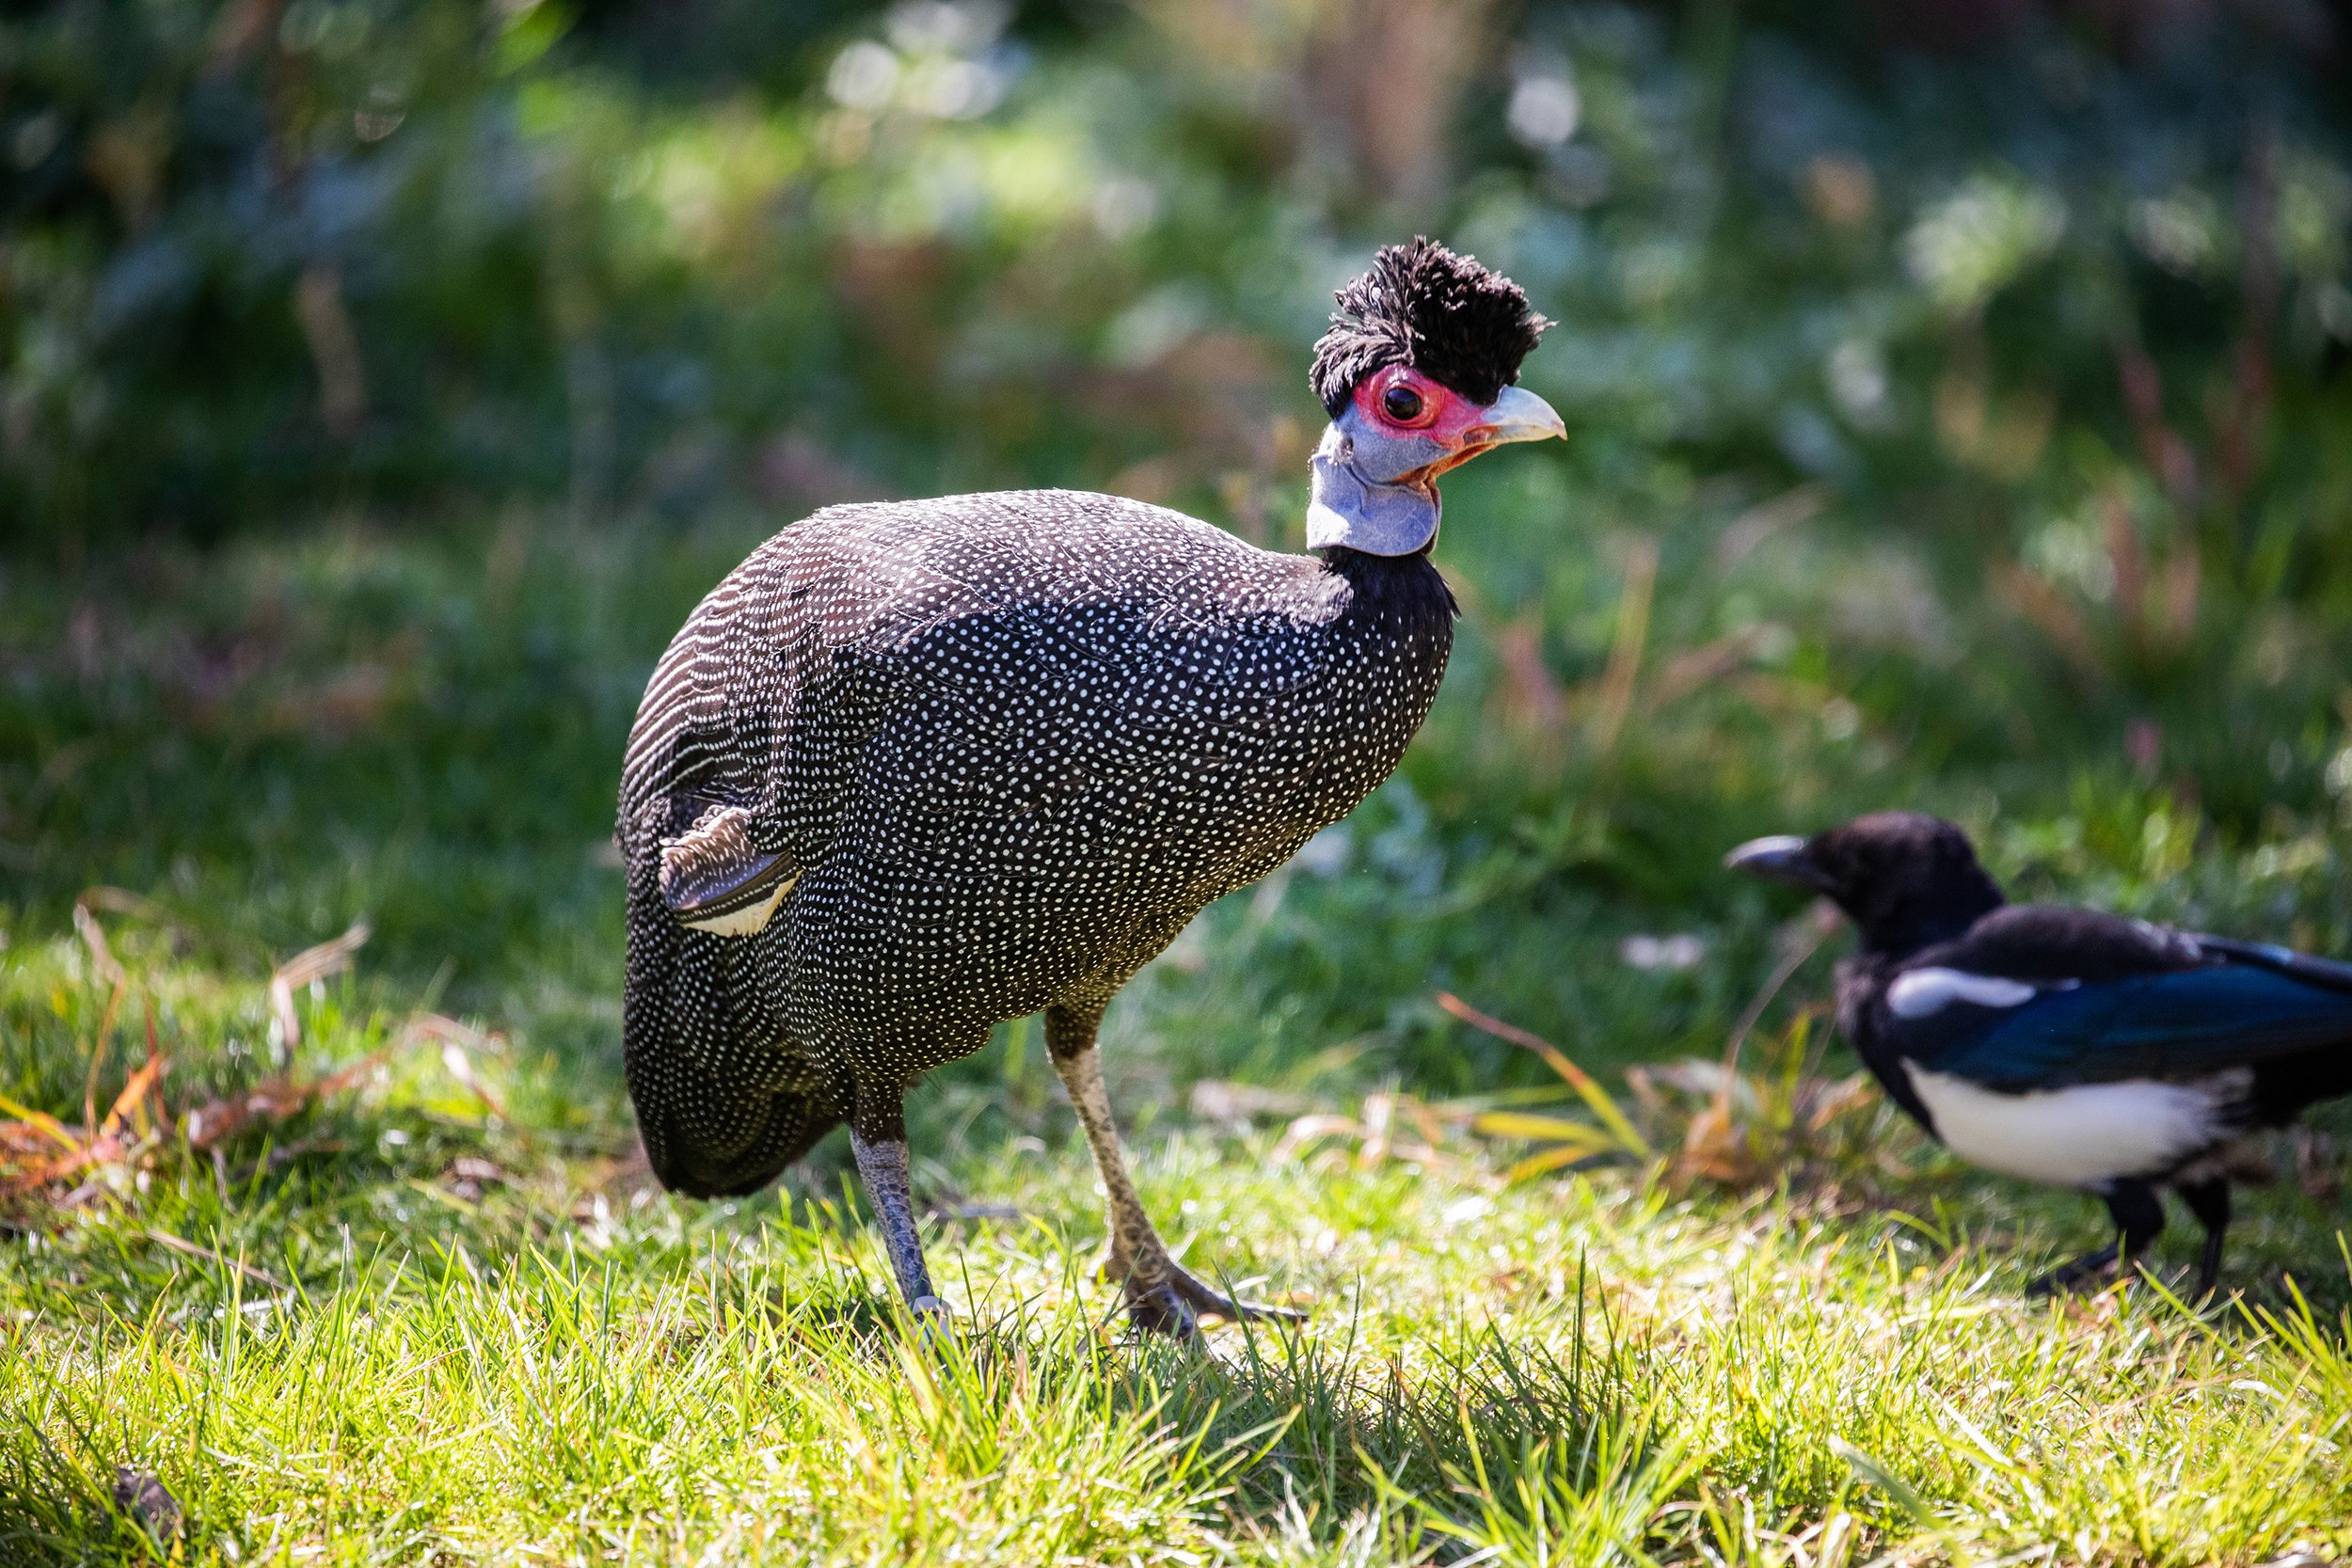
(1179,1298)
(934,1319)
(1160,1309)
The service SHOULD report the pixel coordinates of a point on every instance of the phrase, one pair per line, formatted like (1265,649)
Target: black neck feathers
(1405,588)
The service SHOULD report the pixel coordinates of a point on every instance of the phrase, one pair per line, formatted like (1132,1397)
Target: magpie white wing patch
(2083,1135)
(1919,992)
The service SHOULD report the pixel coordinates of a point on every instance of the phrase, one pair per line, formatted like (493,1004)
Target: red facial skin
(1446,417)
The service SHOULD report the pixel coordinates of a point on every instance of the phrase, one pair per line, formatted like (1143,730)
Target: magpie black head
(1904,879)
(1442,314)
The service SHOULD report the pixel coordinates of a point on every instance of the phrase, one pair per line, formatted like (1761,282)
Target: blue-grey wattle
(1346,508)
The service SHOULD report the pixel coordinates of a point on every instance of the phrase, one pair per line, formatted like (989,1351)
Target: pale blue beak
(1518,415)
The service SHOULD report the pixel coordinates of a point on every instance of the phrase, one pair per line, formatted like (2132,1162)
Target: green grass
(347,1355)
(396,1325)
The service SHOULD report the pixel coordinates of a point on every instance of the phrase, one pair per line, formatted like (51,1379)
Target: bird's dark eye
(1400,404)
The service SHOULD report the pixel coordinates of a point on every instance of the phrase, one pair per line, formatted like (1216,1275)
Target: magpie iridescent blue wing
(2040,996)
(2182,1023)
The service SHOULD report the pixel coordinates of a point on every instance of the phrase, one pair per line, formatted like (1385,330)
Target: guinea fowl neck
(1348,509)
(1403,584)
(1389,576)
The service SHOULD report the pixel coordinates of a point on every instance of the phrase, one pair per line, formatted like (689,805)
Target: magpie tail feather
(2283,1089)
(2327,974)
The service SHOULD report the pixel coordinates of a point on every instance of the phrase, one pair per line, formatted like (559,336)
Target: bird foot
(934,1317)
(2067,1279)
(1170,1301)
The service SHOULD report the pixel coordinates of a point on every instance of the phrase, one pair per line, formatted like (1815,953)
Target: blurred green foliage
(270,253)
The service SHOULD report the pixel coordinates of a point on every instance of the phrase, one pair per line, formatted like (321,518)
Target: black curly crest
(1444,315)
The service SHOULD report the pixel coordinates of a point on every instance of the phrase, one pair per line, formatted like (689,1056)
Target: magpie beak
(1780,857)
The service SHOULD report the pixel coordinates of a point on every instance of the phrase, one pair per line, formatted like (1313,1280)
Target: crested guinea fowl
(917,768)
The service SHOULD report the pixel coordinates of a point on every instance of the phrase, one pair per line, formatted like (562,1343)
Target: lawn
(365,1266)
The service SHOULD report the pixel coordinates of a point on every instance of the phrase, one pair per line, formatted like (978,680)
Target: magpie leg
(2138,1216)
(1162,1298)
(2209,1200)
(2071,1275)
(878,1134)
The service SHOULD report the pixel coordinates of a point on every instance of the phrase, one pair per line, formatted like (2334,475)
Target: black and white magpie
(2064,1045)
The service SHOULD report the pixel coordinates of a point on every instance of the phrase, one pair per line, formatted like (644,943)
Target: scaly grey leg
(1161,1297)
(878,1133)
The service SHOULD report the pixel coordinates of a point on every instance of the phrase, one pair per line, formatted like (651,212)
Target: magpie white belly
(2083,1135)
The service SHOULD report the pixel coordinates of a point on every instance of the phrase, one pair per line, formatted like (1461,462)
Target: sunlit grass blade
(1599,1100)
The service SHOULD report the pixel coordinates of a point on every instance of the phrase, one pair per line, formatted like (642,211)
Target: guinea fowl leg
(878,1134)
(1162,1298)
(2209,1200)
(2138,1216)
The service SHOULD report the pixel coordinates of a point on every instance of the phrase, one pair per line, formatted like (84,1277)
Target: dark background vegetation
(1959,402)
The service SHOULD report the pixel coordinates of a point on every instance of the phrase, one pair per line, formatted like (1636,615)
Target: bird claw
(1172,1301)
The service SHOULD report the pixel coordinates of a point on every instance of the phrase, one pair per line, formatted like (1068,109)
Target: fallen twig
(93,935)
(310,964)
(181,1245)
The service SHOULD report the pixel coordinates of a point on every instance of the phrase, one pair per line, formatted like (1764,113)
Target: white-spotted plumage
(1001,748)
(1008,745)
